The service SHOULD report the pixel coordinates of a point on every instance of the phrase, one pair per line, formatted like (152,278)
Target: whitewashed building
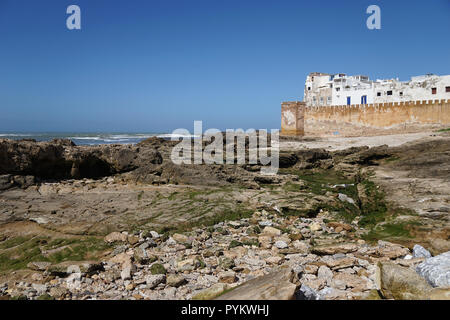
(322,89)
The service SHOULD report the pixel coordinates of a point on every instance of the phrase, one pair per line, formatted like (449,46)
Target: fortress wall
(292,118)
(376,118)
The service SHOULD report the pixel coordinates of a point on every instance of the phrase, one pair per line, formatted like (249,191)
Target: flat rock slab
(273,286)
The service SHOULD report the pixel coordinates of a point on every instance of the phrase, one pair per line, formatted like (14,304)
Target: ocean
(87,138)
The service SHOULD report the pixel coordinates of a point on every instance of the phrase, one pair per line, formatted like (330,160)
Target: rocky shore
(123,222)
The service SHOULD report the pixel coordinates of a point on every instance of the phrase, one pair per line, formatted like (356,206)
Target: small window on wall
(389,93)
(337,89)
(378,94)
(447,89)
(321,100)
(433,90)
(401,94)
(309,88)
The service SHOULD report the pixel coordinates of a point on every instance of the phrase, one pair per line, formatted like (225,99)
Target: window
(433,90)
(321,100)
(309,88)
(337,89)
(389,93)
(401,94)
(363,99)
(447,89)
(378,94)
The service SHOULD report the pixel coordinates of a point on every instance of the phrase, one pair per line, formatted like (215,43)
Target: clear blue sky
(154,66)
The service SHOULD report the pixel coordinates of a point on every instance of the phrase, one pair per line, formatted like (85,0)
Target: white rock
(281,244)
(420,252)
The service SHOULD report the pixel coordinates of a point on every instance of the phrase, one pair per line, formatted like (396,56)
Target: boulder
(154,280)
(420,252)
(271,231)
(273,286)
(38,265)
(333,249)
(175,280)
(307,293)
(436,270)
(115,237)
(400,283)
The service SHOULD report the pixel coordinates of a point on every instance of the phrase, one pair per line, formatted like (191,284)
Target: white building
(322,89)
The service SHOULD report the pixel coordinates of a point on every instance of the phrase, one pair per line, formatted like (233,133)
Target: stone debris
(232,261)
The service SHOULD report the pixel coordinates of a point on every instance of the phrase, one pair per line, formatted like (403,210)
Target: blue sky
(154,66)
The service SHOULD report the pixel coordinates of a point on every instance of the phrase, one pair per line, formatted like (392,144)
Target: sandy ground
(339,143)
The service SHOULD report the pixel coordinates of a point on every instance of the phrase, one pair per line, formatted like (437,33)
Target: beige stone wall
(377,118)
(292,118)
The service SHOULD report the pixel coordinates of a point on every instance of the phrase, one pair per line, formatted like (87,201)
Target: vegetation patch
(16,253)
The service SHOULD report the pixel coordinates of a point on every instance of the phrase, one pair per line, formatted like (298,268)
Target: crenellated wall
(376,118)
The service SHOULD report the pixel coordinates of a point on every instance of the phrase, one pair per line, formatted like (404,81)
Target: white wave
(15,135)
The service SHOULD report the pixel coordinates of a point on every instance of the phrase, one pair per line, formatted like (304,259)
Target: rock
(6,182)
(38,265)
(121,258)
(211,293)
(186,265)
(315,226)
(227,277)
(336,263)
(337,225)
(390,250)
(274,260)
(154,234)
(175,280)
(127,271)
(325,273)
(400,283)
(180,238)
(273,286)
(154,280)
(266,223)
(133,240)
(420,252)
(436,270)
(116,237)
(307,293)
(226,263)
(345,198)
(58,292)
(140,256)
(344,280)
(333,249)
(310,269)
(271,231)
(40,288)
(301,246)
(281,244)
(439,294)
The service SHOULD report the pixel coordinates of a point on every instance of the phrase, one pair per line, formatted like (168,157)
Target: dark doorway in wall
(447,89)
(389,93)
(433,90)
(349,100)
